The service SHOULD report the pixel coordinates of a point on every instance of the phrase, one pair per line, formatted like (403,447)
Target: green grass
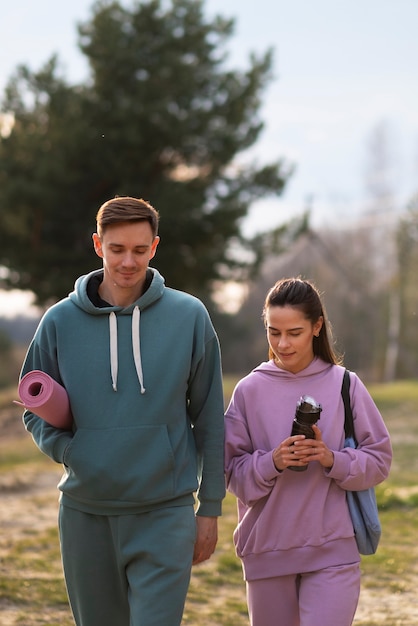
(13,456)
(30,570)
(34,583)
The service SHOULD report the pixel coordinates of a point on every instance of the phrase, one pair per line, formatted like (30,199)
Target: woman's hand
(299,451)
(315,450)
(284,454)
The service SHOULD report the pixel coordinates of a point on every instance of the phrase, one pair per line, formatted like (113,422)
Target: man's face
(126,249)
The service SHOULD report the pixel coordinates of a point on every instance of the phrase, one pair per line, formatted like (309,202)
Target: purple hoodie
(292,522)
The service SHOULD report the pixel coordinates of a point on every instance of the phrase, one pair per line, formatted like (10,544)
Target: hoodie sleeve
(250,474)
(206,410)
(368,464)
(41,356)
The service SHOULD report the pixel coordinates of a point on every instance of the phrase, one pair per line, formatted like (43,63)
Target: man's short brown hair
(126,209)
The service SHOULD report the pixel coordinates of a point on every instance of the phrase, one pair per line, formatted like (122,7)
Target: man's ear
(97,245)
(154,246)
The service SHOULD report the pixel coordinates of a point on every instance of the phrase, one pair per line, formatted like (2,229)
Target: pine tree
(161,117)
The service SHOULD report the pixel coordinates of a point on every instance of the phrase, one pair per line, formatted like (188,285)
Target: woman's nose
(283,341)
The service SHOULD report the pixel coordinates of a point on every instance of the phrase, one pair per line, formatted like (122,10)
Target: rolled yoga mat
(42,395)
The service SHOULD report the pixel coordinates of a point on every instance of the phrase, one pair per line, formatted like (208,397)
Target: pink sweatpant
(327,597)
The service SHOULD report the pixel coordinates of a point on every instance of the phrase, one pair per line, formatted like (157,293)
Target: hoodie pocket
(132,465)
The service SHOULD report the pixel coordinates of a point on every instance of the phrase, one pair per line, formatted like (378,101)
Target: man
(141,366)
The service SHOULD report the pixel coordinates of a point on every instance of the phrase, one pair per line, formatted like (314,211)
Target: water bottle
(307,413)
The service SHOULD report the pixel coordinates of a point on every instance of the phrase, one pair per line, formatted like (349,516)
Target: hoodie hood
(154,292)
(81,299)
(270,369)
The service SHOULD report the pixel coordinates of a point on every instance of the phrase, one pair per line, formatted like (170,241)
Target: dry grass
(31,585)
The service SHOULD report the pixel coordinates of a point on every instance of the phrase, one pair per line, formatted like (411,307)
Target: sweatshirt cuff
(266,467)
(209,509)
(340,468)
(60,447)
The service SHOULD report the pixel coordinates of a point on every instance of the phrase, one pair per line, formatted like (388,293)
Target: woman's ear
(318,325)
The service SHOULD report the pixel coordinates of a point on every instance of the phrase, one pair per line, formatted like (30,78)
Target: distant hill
(19,329)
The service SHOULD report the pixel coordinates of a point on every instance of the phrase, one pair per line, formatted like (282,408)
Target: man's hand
(206,538)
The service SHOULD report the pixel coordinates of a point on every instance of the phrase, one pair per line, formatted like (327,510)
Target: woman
(294,534)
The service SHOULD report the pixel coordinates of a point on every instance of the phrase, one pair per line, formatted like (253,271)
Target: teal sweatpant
(127,570)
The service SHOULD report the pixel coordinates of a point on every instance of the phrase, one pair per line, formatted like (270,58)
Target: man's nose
(128,259)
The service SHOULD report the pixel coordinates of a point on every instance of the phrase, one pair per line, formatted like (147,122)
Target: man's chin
(128,281)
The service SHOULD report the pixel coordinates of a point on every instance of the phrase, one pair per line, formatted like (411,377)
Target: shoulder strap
(348,415)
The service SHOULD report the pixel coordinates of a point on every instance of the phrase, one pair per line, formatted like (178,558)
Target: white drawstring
(136,347)
(113,329)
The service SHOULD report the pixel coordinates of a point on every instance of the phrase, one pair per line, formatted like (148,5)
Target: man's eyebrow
(121,245)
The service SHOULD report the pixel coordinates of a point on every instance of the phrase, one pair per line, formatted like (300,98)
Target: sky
(342,69)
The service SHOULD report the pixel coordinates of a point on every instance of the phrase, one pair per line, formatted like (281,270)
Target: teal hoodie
(145,389)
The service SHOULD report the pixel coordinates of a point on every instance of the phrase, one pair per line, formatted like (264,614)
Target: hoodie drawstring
(113,329)
(136,347)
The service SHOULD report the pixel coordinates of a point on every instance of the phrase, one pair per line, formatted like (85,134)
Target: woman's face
(290,337)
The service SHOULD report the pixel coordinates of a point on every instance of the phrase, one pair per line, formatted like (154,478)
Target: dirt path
(29,502)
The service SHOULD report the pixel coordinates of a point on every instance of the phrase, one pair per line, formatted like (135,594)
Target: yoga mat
(42,395)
